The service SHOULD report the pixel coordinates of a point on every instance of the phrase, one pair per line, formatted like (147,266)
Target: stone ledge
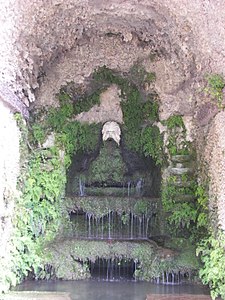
(177,297)
(32,295)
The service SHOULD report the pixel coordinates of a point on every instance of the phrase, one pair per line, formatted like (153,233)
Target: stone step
(178,297)
(33,295)
(180,171)
(181,158)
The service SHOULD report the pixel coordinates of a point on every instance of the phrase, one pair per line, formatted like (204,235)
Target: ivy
(152,144)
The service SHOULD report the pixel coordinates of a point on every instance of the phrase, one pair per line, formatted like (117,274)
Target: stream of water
(100,290)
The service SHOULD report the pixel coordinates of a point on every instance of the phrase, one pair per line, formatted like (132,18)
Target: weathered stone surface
(32,295)
(9,170)
(178,297)
(214,154)
(109,108)
(15,104)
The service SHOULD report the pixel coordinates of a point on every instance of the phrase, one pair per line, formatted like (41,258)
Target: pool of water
(104,290)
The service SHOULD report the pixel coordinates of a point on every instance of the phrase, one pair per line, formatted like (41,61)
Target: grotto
(112,144)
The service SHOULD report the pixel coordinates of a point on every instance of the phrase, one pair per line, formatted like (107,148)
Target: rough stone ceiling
(47,43)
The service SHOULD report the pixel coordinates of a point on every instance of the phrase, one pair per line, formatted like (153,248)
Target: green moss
(152,260)
(109,167)
(215,86)
(100,207)
(186,259)
(150,77)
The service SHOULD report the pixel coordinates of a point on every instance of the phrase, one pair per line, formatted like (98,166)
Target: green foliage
(135,111)
(183,215)
(215,86)
(180,214)
(23,137)
(141,207)
(38,213)
(151,260)
(74,137)
(152,144)
(151,111)
(87,102)
(38,133)
(132,109)
(139,75)
(64,98)
(150,77)
(177,143)
(40,210)
(104,74)
(202,206)
(175,121)
(132,115)
(109,167)
(212,254)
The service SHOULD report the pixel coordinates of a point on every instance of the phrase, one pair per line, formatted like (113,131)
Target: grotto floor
(105,290)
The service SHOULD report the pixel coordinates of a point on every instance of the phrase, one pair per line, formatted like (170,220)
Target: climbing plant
(152,144)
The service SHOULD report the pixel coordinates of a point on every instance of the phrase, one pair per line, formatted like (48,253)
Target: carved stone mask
(111,130)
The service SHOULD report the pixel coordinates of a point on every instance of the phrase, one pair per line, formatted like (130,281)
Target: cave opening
(113,114)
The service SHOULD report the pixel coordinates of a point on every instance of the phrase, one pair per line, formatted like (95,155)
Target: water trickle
(81,187)
(113,225)
(139,186)
(128,188)
(113,269)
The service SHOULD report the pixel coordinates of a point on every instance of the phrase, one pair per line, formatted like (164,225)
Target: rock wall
(46,43)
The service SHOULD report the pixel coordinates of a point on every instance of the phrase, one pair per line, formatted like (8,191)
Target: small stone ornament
(111,130)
